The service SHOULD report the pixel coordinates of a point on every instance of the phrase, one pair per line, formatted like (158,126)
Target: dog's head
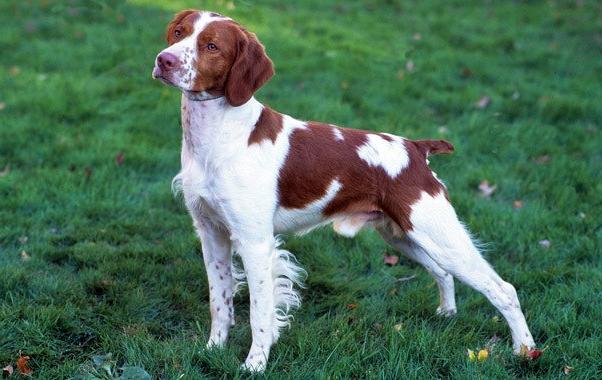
(210,55)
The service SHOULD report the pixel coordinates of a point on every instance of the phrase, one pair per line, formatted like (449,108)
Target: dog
(249,173)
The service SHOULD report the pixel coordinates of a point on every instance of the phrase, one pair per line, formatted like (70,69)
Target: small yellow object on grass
(481,356)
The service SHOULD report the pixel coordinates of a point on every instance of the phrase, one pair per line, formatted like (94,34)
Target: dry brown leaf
(7,371)
(400,74)
(22,365)
(530,353)
(390,259)
(351,306)
(119,158)
(486,189)
(483,102)
(542,159)
(25,256)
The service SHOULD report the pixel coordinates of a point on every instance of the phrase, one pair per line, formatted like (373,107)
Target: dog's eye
(211,46)
(177,33)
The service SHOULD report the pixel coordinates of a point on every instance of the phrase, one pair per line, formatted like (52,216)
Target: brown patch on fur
(316,158)
(183,22)
(268,126)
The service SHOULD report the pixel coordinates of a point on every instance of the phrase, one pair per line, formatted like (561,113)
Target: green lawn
(89,145)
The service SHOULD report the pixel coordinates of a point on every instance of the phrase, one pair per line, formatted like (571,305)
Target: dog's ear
(177,20)
(251,69)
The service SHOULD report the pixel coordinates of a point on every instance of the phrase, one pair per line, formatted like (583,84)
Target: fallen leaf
(7,371)
(398,327)
(5,171)
(530,353)
(534,354)
(486,189)
(2,106)
(518,204)
(483,102)
(390,259)
(22,365)
(567,370)
(471,355)
(119,158)
(482,355)
(25,256)
(351,306)
(400,74)
(410,66)
(545,243)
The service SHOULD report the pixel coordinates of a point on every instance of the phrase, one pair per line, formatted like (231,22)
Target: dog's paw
(254,363)
(446,311)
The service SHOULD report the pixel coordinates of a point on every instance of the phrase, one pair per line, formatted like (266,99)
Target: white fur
(390,155)
(338,135)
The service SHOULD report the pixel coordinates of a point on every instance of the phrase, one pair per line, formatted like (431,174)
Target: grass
(112,263)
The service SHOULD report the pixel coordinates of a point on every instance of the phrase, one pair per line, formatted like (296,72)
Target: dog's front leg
(217,255)
(257,260)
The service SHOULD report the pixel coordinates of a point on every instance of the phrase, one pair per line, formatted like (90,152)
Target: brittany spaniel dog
(249,172)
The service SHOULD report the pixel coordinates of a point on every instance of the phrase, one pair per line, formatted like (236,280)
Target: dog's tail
(428,147)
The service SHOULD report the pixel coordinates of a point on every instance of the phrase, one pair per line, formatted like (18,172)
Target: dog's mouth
(158,74)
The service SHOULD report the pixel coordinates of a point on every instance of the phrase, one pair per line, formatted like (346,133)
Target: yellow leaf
(482,355)
(471,355)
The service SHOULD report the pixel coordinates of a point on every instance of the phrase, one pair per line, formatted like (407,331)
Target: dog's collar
(201,96)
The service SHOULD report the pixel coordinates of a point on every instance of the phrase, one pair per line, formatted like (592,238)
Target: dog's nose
(167,61)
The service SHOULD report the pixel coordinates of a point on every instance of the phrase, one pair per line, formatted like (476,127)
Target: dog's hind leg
(437,230)
(445,281)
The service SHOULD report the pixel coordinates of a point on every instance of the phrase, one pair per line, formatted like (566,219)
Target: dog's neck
(213,127)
